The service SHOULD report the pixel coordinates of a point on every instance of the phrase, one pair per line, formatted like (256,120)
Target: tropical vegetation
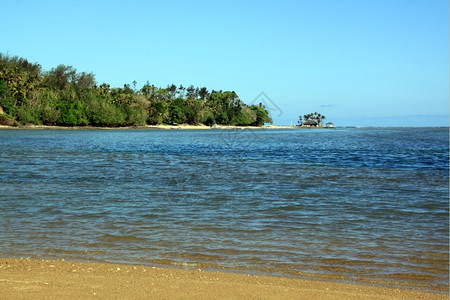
(311,119)
(65,97)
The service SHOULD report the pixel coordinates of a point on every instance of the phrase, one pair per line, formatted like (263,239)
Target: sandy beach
(58,279)
(180,126)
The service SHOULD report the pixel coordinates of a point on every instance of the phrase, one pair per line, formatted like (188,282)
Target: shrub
(6,120)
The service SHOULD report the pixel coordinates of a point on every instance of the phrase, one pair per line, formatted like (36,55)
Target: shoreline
(43,279)
(165,127)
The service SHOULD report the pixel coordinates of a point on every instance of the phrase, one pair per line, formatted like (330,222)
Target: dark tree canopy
(65,97)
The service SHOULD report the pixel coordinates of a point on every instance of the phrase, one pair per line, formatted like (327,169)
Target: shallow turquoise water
(351,204)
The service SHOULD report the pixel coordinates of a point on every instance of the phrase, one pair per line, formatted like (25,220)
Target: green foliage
(262,116)
(103,113)
(209,119)
(240,119)
(48,107)
(136,111)
(175,111)
(64,97)
(59,78)
(6,100)
(317,117)
(157,112)
(72,113)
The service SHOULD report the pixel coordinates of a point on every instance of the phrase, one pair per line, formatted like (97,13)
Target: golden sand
(51,279)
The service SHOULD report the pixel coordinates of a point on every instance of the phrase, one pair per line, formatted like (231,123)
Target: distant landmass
(397,121)
(387,121)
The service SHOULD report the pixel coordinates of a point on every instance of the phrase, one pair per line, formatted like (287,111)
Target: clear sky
(362,62)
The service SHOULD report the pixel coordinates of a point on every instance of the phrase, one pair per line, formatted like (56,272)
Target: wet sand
(51,279)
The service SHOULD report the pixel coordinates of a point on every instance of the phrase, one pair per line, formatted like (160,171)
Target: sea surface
(367,205)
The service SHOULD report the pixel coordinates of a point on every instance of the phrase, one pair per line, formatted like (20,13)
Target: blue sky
(363,63)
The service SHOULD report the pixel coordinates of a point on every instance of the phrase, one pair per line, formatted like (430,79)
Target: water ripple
(368,205)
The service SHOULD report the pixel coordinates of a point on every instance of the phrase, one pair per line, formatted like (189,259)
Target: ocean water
(367,205)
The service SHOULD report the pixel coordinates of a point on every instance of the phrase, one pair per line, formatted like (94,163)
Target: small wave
(121,238)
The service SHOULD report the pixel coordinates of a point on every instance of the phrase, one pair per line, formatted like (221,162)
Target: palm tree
(318,118)
(323,118)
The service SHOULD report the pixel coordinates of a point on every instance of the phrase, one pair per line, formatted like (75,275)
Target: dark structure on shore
(310,123)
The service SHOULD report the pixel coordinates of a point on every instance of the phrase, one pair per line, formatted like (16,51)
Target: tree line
(65,97)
